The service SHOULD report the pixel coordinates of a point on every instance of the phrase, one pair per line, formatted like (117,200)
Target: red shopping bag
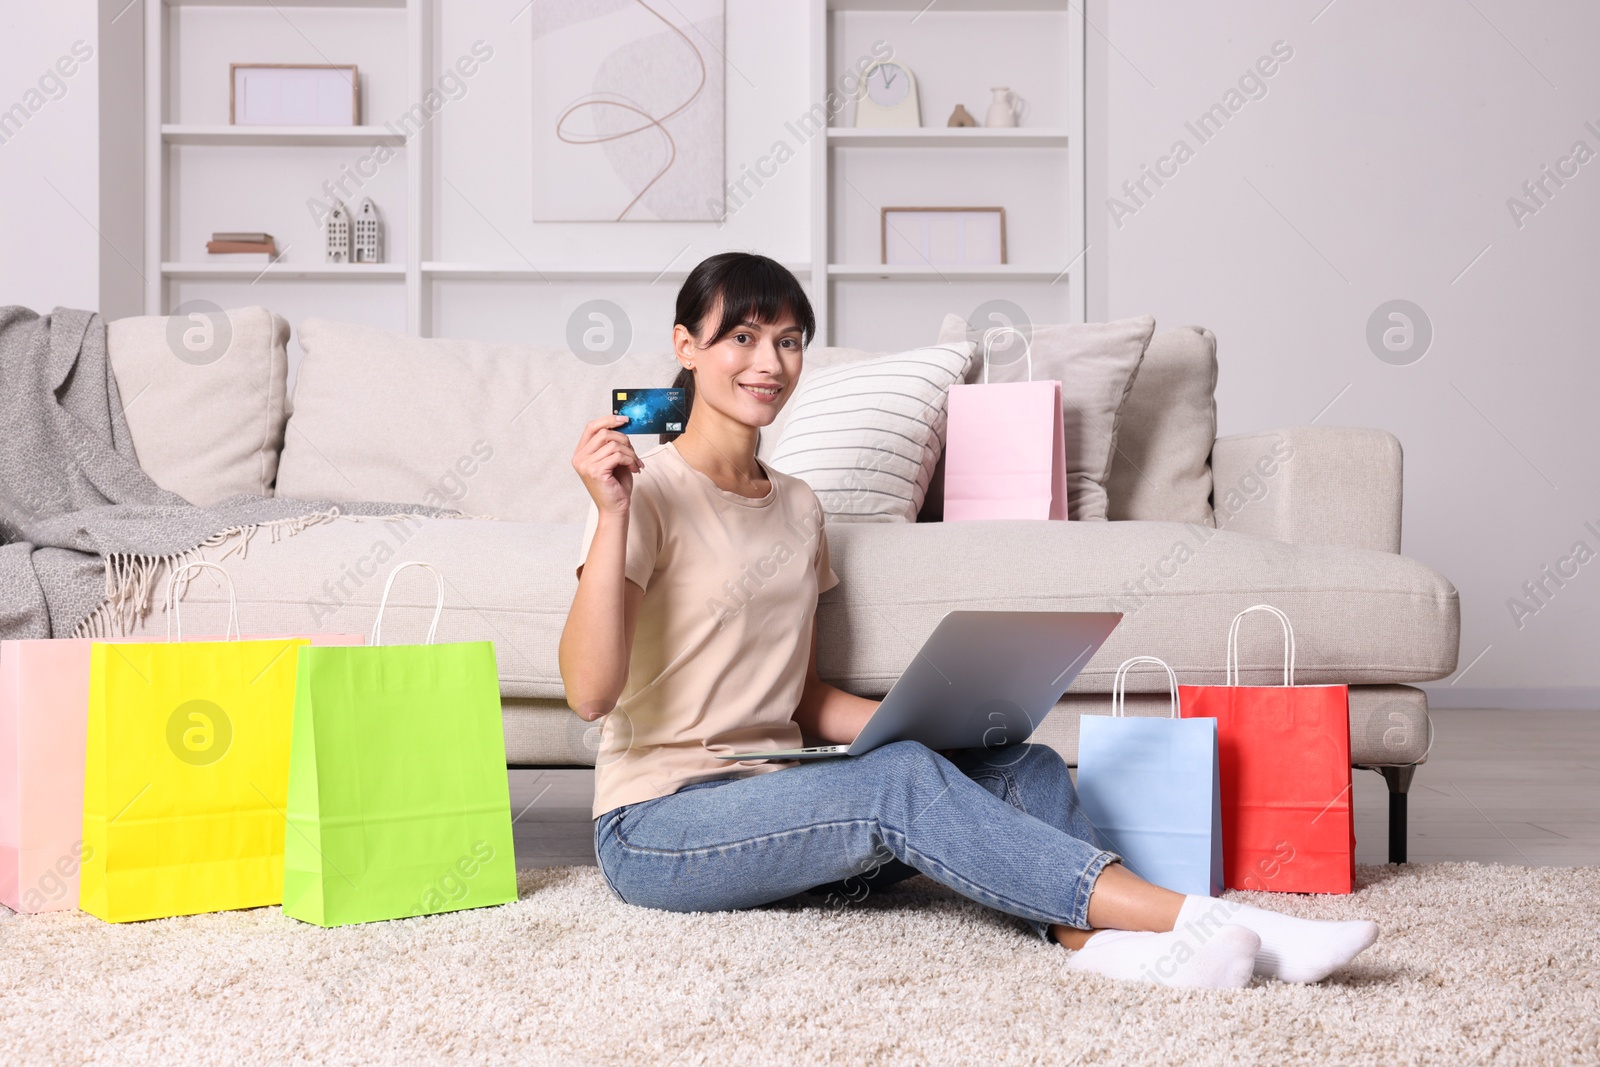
(1287,819)
(1005,450)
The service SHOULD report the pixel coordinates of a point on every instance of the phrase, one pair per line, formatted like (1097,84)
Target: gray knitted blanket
(83,529)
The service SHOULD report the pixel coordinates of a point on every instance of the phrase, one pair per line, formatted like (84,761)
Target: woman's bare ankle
(1069,936)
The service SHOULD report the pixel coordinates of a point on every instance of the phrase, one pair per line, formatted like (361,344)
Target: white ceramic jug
(1005,108)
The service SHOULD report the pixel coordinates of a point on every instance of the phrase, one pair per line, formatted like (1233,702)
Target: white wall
(1377,167)
(49,155)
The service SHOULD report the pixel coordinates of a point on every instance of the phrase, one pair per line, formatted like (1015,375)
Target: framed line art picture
(628,103)
(943,236)
(293,94)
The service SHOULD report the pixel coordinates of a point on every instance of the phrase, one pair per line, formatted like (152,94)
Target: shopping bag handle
(1233,644)
(172,601)
(994,332)
(438,606)
(1119,685)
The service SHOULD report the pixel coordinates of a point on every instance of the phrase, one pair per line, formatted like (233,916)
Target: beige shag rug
(1476,965)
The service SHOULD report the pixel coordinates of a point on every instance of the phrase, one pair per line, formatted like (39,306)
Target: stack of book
(242,243)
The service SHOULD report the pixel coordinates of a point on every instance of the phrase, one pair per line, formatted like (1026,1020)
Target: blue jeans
(1000,825)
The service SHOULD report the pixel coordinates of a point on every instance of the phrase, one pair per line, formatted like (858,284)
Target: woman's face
(748,375)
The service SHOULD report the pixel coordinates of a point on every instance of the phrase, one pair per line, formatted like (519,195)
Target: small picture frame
(943,236)
(293,94)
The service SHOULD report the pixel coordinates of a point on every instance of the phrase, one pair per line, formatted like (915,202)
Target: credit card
(650,410)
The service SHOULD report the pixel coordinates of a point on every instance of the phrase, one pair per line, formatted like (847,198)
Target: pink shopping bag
(1005,452)
(44,706)
(44,701)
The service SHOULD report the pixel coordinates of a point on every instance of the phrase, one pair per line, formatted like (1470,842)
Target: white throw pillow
(866,435)
(818,359)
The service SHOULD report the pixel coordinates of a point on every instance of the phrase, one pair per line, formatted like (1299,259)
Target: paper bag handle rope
(1119,685)
(172,603)
(438,606)
(994,332)
(1233,644)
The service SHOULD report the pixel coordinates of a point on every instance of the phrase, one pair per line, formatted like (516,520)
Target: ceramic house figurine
(367,244)
(339,233)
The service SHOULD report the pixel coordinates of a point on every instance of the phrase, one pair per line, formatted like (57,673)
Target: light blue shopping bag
(1152,788)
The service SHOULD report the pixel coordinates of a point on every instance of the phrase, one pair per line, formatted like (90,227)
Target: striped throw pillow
(866,436)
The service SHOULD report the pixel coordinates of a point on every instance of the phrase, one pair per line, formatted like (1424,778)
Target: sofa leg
(1399,779)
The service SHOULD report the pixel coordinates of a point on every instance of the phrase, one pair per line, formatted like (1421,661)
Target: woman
(692,633)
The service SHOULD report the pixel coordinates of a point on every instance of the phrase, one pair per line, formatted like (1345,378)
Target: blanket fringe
(131,580)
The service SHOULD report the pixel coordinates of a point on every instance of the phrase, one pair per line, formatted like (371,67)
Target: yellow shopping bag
(186,776)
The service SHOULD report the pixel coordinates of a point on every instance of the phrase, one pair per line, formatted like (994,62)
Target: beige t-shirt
(724,631)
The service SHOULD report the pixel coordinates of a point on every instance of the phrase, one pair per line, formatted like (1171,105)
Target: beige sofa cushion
(1359,616)
(820,357)
(204,398)
(487,428)
(1096,364)
(1161,469)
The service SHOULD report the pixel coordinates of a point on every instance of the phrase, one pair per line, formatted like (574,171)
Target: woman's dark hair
(751,288)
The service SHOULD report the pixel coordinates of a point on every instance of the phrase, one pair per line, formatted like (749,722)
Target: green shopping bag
(398,799)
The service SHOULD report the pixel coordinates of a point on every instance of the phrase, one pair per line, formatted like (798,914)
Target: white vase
(1004,108)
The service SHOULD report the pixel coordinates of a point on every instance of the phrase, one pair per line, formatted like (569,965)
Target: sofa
(1306,518)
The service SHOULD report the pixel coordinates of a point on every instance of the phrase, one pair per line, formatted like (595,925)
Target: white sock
(1292,949)
(1221,958)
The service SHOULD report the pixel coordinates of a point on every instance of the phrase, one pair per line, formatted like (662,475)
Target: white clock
(887,98)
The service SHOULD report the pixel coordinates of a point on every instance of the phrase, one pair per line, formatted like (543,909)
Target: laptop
(983,679)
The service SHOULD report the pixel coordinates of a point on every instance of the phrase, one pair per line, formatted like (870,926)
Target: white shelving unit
(1058,145)
(280,135)
(281,269)
(162,136)
(948,137)
(1035,43)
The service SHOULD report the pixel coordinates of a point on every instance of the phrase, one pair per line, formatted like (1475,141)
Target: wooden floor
(1520,787)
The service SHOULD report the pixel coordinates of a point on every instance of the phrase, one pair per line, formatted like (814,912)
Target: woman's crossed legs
(1000,826)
